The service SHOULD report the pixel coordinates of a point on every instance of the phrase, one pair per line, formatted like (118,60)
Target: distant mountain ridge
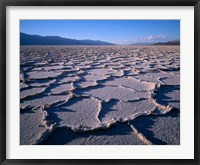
(27,39)
(176,42)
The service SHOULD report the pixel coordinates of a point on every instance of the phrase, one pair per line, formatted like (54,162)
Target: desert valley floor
(100,95)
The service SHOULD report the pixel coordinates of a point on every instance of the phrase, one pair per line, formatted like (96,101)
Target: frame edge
(3,82)
(3,5)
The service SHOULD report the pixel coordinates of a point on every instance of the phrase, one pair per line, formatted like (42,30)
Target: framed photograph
(99,82)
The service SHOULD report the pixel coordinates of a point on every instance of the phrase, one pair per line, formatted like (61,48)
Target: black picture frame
(6,3)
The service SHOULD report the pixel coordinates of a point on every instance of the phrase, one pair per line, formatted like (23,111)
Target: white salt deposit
(84,88)
(112,92)
(85,84)
(121,110)
(23,85)
(43,74)
(131,83)
(79,112)
(94,77)
(63,88)
(31,92)
(30,126)
(41,84)
(173,80)
(46,100)
(100,71)
(69,79)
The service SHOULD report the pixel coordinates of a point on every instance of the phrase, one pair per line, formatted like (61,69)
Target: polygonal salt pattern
(45,100)
(122,110)
(62,88)
(31,92)
(87,88)
(77,113)
(31,127)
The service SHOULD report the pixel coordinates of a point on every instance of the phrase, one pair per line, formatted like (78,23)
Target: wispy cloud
(154,38)
(146,39)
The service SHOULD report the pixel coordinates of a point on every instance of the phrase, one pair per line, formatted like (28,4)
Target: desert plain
(100,95)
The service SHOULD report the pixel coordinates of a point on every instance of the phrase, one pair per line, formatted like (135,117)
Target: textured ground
(100,95)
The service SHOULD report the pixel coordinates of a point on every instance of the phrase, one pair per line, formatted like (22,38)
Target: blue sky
(114,31)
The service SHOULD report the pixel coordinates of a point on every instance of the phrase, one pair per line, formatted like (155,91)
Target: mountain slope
(176,42)
(26,39)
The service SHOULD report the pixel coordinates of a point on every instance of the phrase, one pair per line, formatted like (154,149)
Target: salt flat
(106,95)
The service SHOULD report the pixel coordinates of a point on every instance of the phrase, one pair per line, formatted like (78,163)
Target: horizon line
(114,44)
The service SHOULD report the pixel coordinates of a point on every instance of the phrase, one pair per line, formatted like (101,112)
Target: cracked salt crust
(88,88)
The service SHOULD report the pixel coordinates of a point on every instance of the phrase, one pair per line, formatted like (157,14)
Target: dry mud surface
(100,95)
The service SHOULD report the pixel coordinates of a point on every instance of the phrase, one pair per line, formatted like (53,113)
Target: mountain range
(27,39)
(175,42)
